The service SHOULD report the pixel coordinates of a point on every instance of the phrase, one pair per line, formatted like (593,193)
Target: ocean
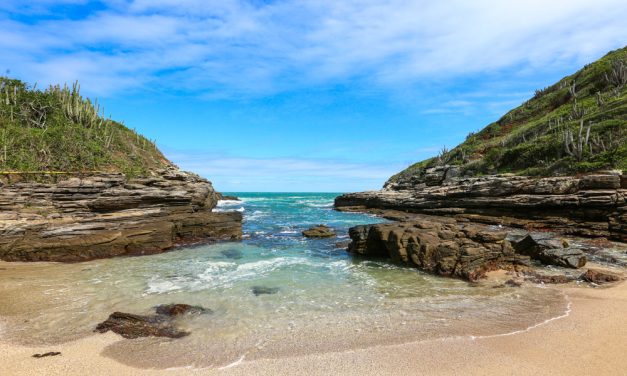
(321,298)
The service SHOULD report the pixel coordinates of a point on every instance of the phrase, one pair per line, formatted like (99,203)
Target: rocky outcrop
(437,246)
(105,215)
(320,231)
(592,205)
(448,247)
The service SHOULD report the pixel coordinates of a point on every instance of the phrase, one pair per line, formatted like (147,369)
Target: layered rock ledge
(104,215)
(592,205)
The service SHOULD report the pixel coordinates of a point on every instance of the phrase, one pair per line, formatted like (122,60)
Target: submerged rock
(320,231)
(130,326)
(234,254)
(261,290)
(180,309)
(230,198)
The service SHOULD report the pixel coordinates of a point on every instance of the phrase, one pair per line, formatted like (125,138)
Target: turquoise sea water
(323,299)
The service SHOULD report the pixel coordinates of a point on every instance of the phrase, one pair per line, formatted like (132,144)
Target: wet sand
(590,339)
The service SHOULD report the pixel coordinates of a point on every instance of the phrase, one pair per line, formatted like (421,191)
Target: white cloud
(272,174)
(250,48)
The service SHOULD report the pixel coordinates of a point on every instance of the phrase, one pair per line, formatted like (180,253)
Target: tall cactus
(574,147)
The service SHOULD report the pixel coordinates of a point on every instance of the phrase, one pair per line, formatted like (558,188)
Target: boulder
(600,277)
(549,250)
(320,231)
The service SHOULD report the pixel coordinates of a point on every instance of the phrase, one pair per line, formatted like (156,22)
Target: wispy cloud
(238,47)
(232,173)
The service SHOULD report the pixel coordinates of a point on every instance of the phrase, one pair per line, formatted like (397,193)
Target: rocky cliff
(58,218)
(75,185)
(554,164)
(591,205)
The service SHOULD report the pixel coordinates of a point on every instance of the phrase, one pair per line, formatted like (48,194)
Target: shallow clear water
(326,300)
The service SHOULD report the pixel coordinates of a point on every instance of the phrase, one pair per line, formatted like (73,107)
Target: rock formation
(320,231)
(437,246)
(105,215)
(591,205)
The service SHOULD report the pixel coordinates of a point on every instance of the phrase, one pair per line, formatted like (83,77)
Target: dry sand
(591,339)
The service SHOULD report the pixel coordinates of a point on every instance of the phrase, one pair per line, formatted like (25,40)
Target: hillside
(57,130)
(579,124)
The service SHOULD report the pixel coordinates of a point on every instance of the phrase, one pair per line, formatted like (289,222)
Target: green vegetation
(57,130)
(577,125)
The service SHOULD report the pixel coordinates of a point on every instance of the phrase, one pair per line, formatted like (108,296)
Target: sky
(308,95)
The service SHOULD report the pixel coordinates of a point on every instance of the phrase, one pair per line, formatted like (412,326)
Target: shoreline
(587,338)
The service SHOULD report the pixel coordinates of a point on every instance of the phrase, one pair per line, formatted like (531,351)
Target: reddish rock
(600,277)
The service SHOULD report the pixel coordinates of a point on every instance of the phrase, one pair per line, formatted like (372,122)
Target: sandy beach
(590,339)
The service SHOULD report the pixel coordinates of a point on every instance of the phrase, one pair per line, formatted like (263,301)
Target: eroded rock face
(438,246)
(104,215)
(593,205)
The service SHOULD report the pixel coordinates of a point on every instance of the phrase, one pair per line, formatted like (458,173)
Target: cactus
(618,76)
(574,147)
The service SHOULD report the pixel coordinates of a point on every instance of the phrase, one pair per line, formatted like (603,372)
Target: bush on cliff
(58,130)
(579,124)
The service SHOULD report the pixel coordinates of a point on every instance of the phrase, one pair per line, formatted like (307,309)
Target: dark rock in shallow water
(261,290)
(230,198)
(51,353)
(320,231)
(234,254)
(130,326)
(600,277)
(180,309)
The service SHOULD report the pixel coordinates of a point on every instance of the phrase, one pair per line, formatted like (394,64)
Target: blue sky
(305,95)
